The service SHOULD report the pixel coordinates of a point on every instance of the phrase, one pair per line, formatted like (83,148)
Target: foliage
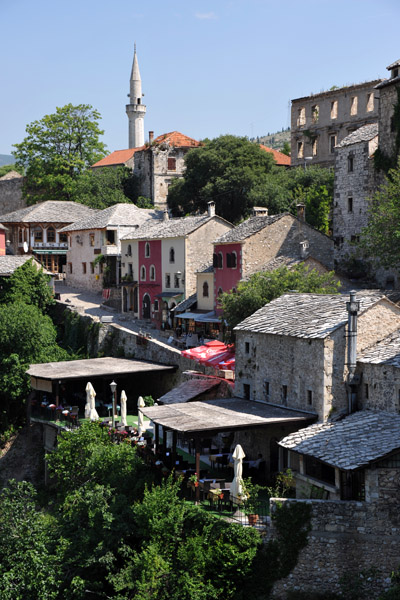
(381,238)
(148,400)
(382,161)
(286,149)
(223,170)
(261,288)
(30,285)
(101,188)
(8,168)
(292,522)
(57,149)
(142,202)
(250,495)
(393,593)
(283,486)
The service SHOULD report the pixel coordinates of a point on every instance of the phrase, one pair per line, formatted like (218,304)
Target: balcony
(110,250)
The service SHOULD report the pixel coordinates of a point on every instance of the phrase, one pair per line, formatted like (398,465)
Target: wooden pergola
(197,420)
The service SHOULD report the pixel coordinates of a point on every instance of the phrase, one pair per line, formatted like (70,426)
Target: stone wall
(379,388)
(11,194)
(347,538)
(388,98)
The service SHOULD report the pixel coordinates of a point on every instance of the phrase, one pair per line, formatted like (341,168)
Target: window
(315,113)
(167,280)
(63,238)
(350,204)
(205,289)
(300,149)
(350,164)
(233,260)
(284,394)
(129,250)
(370,102)
(152,273)
(51,234)
(91,239)
(301,116)
(156,308)
(220,260)
(319,470)
(315,147)
(215,260)
(353,106)
(355,239)
(91,268)
(366,391)
(266,389)
(334,109)
(110,237)
(176,280)
(332,143)
(130,270)
(171,164)
(171,255)
(147,250)
(143,273)
(247,347)
(38,235)
(309,397)
(220,291)
(246,391)
(84,268)
(69,267)
(338,241)
(228,260)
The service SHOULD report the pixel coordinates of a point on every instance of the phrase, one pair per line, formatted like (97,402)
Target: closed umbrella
(123,408)
(89,389)
(237,486)
(93,416)
(141,427)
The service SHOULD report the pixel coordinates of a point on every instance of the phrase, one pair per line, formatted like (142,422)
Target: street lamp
(307,158)
(113,387)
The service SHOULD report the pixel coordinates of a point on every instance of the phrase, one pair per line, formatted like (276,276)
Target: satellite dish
(25,247)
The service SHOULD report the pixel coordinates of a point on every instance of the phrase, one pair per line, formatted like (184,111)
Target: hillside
(274,140)
(6,159)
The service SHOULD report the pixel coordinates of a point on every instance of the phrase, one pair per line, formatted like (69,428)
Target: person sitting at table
(254,464)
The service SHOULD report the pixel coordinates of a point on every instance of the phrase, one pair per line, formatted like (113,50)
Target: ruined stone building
(321,121)
(11,192)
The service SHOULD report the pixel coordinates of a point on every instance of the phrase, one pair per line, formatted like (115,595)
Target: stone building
(321,121)
(250,246)
(388,90)
(99,237)
(161,261)
(35,230)
(354,184)
(11,192)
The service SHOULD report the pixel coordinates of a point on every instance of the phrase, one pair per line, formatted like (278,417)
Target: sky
(208,68)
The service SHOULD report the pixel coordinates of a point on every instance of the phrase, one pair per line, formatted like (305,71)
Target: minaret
(135,109)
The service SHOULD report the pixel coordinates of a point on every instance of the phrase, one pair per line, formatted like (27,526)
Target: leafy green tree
(101,188)
(261,288)
(224,170)
(30,285)
(286,149)
(57,149)
(381,238)
(7,168)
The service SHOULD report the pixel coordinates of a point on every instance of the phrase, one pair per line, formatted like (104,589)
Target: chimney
(304,252)
(260,211)
(353,308)
(151,137)
(211,208)
(166,215)
(301,212)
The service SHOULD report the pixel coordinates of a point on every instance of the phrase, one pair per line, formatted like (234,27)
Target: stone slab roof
(281,159)
(247,228)
(207,268)
(354,442)
(51,211)
(185,304)
(306,315)
(223,414)
(171,228)
(387,82)
(122,214)
(385,352)
(189,390)
(362,134)
(9,263)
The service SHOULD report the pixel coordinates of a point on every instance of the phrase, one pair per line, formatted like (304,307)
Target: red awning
(202,353)
(215,361)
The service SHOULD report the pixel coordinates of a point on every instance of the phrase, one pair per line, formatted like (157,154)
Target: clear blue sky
(208,68)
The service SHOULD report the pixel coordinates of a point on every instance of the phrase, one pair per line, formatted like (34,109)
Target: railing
(235,510)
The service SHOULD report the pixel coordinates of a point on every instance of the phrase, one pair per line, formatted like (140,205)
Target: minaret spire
(135,109)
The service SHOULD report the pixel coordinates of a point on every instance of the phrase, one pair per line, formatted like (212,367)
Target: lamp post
(307,158)
(113,387)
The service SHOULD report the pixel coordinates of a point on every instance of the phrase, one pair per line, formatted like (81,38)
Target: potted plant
(250,496)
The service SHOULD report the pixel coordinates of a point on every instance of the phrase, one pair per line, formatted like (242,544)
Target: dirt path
(23,457)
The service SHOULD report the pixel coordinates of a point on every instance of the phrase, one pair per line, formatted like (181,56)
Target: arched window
(220,260)
(129,250)
(205,289)
(152,273)
(219,291)
(233,260)
(143,273)
(171,255)
(147,250)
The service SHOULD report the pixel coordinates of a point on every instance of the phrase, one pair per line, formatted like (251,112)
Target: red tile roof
(177,139)
(118,157)
(280,159)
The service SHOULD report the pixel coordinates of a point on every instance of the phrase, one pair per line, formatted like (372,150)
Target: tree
(7,168)
(57,149)
(30,285)
(224,170)
(381,238)
(286,149)
(261,288)
(101,188)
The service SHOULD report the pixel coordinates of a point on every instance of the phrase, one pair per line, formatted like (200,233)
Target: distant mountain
(274,140)
(6,159)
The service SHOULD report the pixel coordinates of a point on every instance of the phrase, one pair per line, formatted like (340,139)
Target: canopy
(215,361)
(202,353)
(228,365)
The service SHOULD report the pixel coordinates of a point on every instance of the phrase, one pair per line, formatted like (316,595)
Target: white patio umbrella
(236,485)
(123,408)
(141,427)
(90,399)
